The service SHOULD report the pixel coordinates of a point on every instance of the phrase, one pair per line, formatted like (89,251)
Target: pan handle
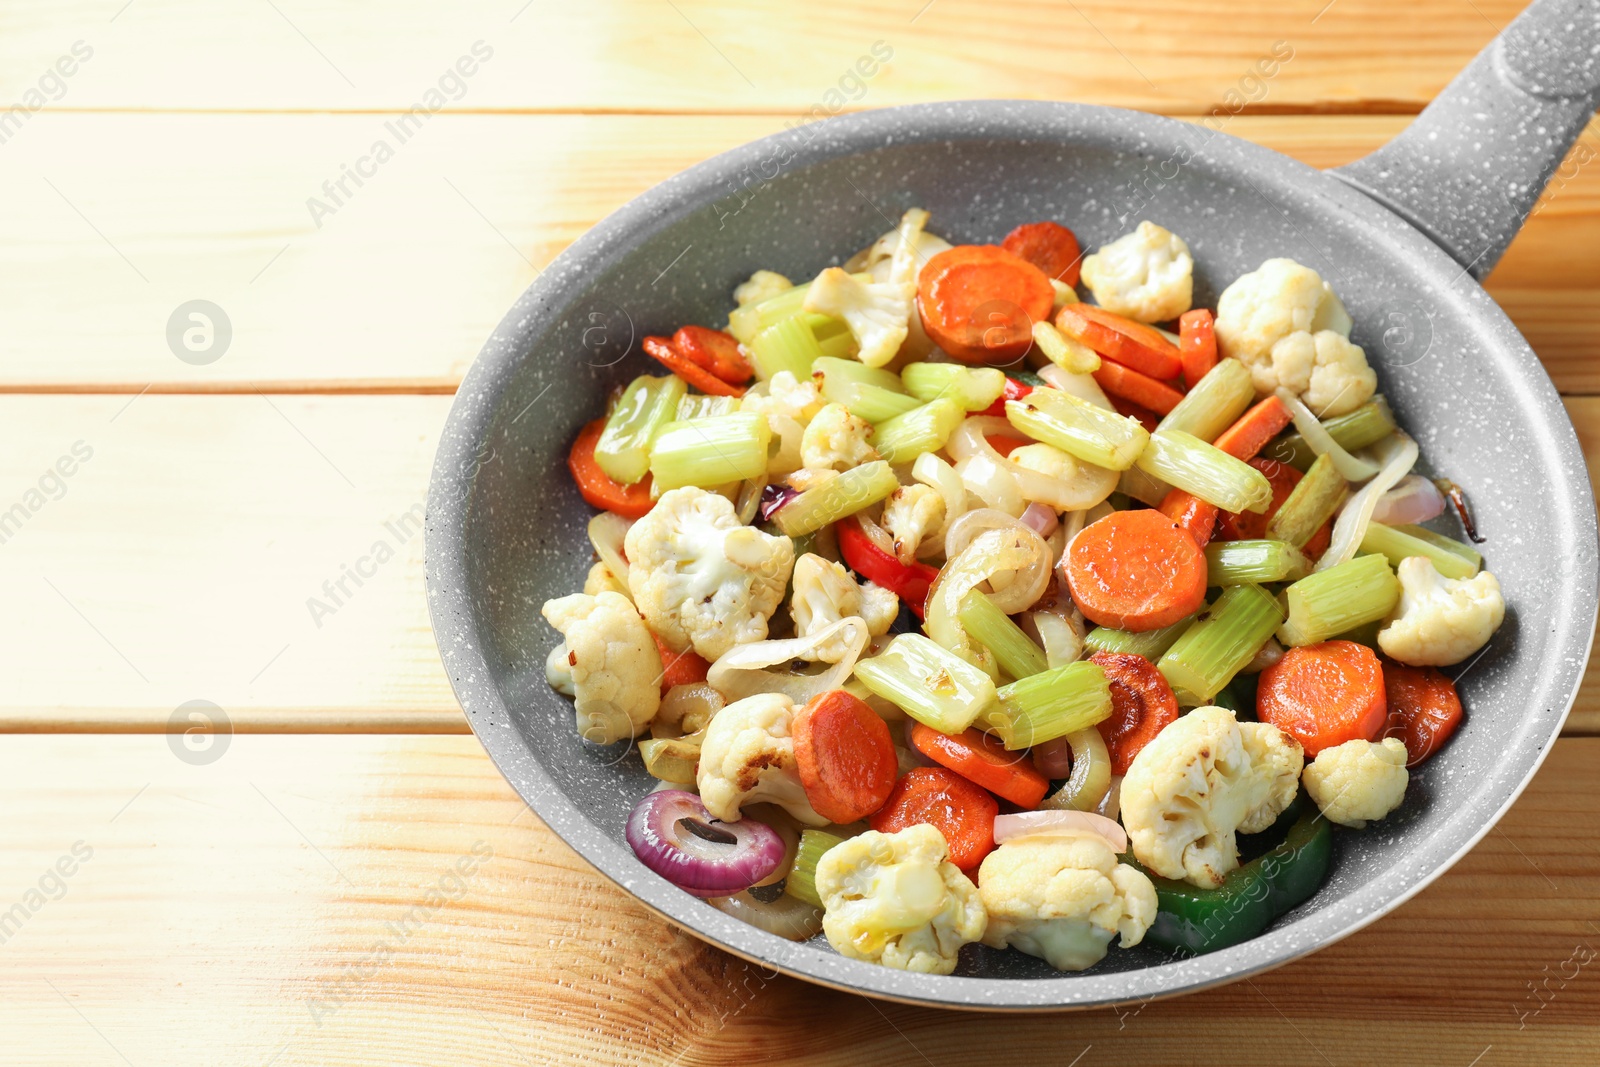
(1471,167)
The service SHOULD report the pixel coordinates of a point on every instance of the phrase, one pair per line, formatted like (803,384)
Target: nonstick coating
(506,526)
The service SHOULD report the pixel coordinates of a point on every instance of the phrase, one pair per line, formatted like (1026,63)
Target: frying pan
(1403,235)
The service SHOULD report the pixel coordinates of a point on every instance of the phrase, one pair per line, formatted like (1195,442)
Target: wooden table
(283,893)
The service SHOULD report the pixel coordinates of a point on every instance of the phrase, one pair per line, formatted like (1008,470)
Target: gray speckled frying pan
(1403,236)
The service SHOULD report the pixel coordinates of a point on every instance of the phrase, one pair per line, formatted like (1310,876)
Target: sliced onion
(674,835)
(1088,486)
(789,431)
(762,666)
(1018,557)
(1091,775)
(1053,758)
(686,710)
(752,491)
(784,825)
(1058,633)
(985,478)
(1321,441)
(966,529)
(1397,453)
(788,917)
(1041,520)
(1082,386)
(1265,656)
(930,470)
(1060,824)
(606,533)
(774,497)
(1111,806)
(1415,499)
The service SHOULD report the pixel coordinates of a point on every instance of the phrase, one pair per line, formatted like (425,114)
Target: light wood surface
(223,906)
(229,910)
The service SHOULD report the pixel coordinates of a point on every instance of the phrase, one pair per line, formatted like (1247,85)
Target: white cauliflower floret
(1328,372)
(806,479)
(1063,898)
(1439,620)
(824,593)
(896,899)
(702,578)
(912,513)
(762,285)
(1273,320)
(837,440)
(788,405)
(601,580)
(1202,780)
(1358,780)
(876,312)
(879,260)
(1045,459)
(747,757)
(1146,275)
(607,662)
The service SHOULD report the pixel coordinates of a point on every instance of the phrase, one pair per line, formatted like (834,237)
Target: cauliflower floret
(702,578)
(806,478)
(1328,372)
(762,285)
(601,580)
(607,662)
(788,405)
(824,593)
(1146,275)
(747,757)
(912,513)
(1358,780)
(1063,898)
(896,899)
(879,260)
(1439,620)
(1202,780)
(1285,323)
(876,312)
(837,440)
(1045,459)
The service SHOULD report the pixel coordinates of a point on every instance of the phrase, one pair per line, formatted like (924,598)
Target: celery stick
(837,344)
(1151,644)
(1079,428)
(850,370)
(712,451)
(696,406)
(1072,356)
(1239,562)
(1183,460)
(1340,598)
(747,321)
(865,400)
(986,624)
(1366,425)
(1215,403)
(933,686)
(786,345)
(1449,544)
(904,437)
(1395,545)
(835,498)
(974,388)
(1051,704)
(801,882)
(1224,638)
(1313,502)
(647,405)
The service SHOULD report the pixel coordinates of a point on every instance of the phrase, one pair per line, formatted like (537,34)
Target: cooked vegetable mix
(1101,653)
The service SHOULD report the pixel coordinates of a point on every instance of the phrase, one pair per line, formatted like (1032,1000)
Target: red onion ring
(674,835)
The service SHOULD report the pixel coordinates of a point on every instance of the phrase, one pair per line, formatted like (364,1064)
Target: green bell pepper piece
(1193,921)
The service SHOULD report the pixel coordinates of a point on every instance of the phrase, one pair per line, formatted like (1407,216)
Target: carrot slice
(1136,570)
(1197,517)
(662,351)
(1142,705)
(1049,246)
(713,350)
(845,756)
(1006,445)
(1142,389)
(1249,526)
(629,501)
(1247,437)
(980,758)
(1133,344)
(1197,345)
(1324,695)
(942,799)
(680,668)
(979,303)
(1424,708)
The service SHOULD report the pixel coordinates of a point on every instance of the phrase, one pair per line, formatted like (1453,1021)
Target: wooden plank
(397,290)
(706,55)
(221,516)
(229,913)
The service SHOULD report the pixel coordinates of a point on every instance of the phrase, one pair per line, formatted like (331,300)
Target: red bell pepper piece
(909,582)
(1015,390)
